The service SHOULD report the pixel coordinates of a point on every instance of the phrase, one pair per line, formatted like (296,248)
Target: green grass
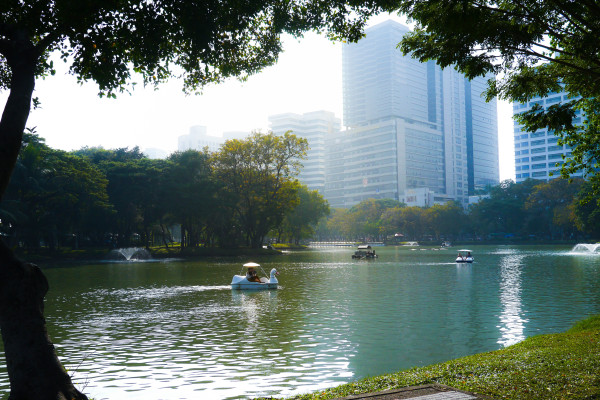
(556,366)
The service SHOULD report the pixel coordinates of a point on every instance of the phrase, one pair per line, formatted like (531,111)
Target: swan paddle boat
(464,256)
(241,282)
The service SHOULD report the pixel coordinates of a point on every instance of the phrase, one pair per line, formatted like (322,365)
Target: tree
(412,222)
(504,212)
(366,217)
(587,211)
(333,227)
(56,195)
(190,193)
(550,207)
(111,42)
(536,48)
(446,219)
(260,174)
(300,222)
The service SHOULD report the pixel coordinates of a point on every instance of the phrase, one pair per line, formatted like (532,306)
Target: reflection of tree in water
(512,323)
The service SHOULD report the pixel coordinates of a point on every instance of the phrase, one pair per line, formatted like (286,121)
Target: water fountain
(586,248)
(129,254)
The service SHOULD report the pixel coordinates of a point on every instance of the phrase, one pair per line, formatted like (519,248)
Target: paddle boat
(241,282)
(364,251)
(464,256)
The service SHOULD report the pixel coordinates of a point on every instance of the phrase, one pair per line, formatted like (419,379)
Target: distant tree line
(530,210)
(247,192)
(120,198)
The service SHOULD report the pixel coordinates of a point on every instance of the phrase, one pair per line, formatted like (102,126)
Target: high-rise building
(315,127)
(409,125)
(198,139)
(538,153)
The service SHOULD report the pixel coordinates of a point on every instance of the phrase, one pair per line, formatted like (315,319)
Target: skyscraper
(314,127)
(198,139)
(408,125)
(538,153)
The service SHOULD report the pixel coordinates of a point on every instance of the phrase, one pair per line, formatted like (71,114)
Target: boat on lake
(464,256)
(250,281)
(364,251)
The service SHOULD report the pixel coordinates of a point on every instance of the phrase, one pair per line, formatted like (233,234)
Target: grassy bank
(556,366)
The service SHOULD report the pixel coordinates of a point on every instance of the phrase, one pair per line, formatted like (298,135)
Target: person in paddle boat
(251,275)
(250,280)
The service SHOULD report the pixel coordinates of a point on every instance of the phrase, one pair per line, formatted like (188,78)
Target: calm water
(157,330)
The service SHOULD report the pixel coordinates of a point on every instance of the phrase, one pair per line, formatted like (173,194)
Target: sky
(307,77)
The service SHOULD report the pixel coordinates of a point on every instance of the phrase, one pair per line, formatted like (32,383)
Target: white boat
(464,256)
(241,282)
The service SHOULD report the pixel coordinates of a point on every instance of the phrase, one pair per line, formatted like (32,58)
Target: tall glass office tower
(408,125)
(537,154)
(315,127)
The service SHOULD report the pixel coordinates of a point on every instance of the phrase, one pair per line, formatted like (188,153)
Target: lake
(174,329)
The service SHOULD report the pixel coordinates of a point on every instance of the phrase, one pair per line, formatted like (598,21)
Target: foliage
(298,224)
(550,203)
(199,42)
(503,212)
(556,366)
(586,210)
(55,197)
(120,198)
(365,218)
(259,173)
(535,47)
(190,194)
(552,210)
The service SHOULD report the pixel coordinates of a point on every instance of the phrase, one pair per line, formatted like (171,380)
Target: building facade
(409,125)
(315,127)
(198,139)
(537,154)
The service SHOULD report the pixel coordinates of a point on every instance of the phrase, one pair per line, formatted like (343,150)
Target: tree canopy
(116,42)
(535,48)
(259,175)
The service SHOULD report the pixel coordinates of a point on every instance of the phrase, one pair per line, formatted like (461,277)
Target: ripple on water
(185,337)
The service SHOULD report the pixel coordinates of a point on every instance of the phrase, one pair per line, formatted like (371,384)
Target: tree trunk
(33,368)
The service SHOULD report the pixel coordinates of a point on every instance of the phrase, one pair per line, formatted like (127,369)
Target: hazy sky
(307,77)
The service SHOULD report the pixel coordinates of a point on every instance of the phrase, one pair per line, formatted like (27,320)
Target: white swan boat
(464,256)
(241,281)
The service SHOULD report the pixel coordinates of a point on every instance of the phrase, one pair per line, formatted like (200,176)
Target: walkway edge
(414,392)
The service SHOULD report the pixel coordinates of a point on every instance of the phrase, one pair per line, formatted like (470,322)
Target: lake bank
(553,366)
(47,257)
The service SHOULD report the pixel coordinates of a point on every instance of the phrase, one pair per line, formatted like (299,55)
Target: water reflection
(512,323)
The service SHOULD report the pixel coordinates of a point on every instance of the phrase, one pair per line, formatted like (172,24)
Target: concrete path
(425,392)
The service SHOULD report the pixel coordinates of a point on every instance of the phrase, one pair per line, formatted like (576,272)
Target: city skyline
(307,78)
(409,125)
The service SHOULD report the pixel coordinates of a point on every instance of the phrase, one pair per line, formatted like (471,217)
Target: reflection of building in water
(512,323)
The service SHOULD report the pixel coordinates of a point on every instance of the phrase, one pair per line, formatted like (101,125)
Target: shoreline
(551,366)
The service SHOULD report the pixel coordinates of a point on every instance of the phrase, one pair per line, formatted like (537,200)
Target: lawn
(556,366)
